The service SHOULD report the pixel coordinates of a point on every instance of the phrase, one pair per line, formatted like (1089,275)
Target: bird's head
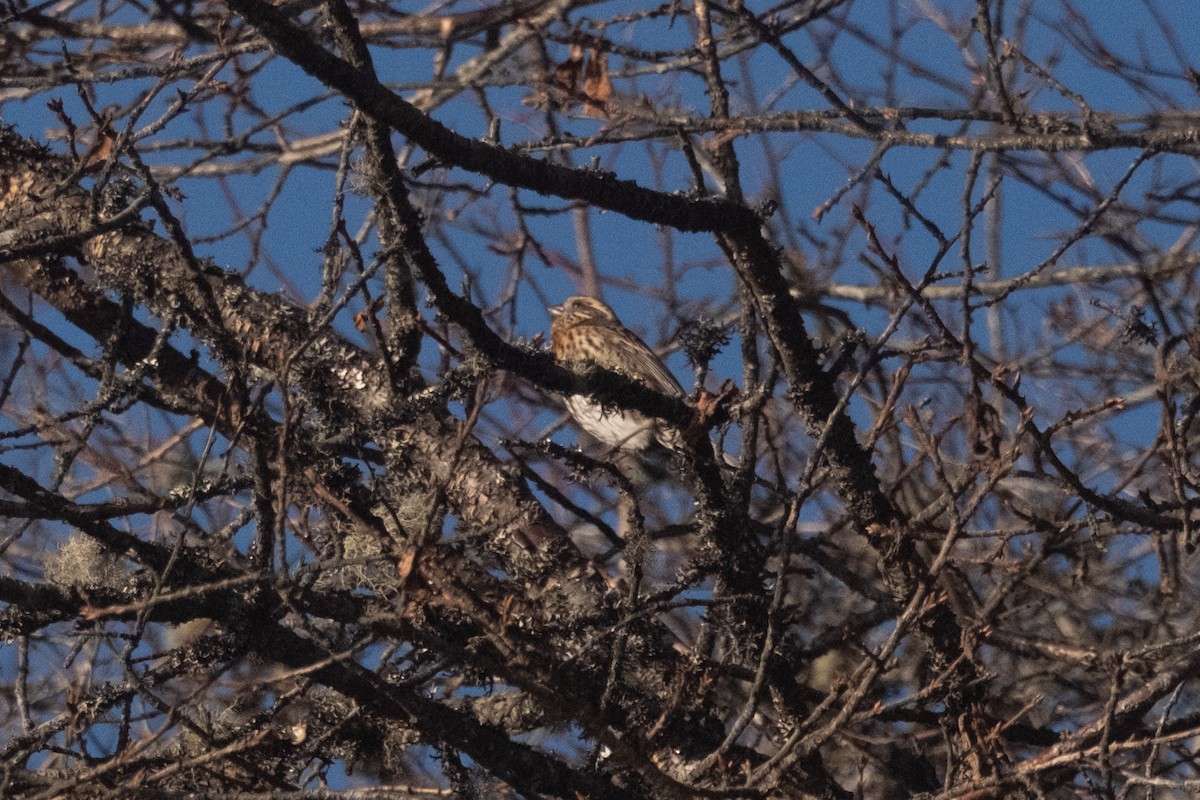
(579,308)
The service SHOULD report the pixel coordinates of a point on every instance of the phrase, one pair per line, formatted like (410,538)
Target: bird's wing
(648,368)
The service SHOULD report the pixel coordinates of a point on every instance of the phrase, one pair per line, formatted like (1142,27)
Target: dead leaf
(597,86)
(100,149)
(362,318)
(405,567)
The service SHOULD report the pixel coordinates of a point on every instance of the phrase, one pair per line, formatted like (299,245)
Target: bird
(584,329)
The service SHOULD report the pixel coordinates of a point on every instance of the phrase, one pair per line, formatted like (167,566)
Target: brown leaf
(100,149)
(597,86)
(362,318)
(405,567)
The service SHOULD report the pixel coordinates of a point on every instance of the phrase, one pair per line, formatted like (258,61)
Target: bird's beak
(555,310)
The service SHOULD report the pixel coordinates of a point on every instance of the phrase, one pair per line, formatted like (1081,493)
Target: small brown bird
(583,329)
